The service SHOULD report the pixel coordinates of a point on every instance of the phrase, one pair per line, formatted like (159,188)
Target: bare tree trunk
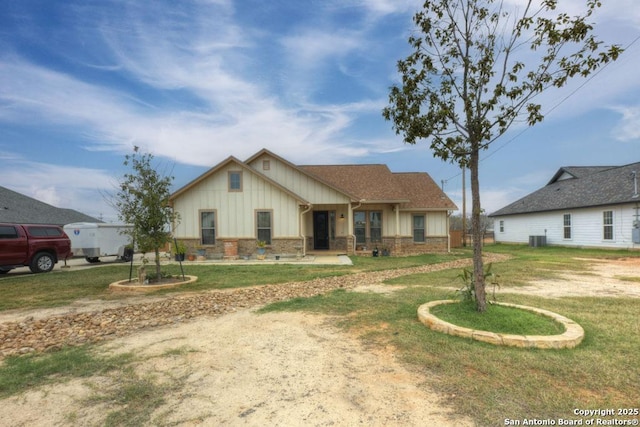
(157,250)
(476,232)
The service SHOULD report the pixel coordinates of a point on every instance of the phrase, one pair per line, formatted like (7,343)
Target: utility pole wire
(587,81)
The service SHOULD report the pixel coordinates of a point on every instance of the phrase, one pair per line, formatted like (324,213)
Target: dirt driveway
(285,369)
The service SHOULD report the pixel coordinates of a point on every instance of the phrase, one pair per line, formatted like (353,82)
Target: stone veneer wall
(400,246)
(246,247)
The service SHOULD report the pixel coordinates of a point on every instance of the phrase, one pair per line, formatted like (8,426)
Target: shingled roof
(376,183)
(580,187)
(20,209)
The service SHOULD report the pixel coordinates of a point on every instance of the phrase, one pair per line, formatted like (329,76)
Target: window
(367,224)
(264,232)
(208,227)
(607,222)
(418,228)
(567,226)
(8,232)
(375,226)
(360,226)
(235,181)
(266,165)
(45,231)
(502,226)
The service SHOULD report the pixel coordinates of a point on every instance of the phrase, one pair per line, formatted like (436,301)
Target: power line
(587,81)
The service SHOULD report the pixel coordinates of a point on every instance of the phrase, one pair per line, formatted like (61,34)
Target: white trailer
(94,239)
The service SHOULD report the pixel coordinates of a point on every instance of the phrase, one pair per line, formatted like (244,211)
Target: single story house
(580,206)
(20,209)
(295,209)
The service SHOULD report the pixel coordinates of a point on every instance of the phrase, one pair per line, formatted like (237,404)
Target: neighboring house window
(502,226)
(375,226)
(418,228)
(360,226)
(567,226)
(208,227)
(266,165)
(607,221)
(235,181)
(264,230)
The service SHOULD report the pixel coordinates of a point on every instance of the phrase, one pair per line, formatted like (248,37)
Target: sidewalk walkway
(309,259)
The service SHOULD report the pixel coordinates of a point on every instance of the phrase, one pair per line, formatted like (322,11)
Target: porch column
(397,211)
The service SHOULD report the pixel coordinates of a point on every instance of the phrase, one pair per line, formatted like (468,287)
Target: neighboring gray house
(596,206)
(18,208)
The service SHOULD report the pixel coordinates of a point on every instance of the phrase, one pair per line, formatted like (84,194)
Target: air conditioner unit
(536,241)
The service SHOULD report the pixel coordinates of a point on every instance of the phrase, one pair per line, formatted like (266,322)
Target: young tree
(467,82)
(143,201)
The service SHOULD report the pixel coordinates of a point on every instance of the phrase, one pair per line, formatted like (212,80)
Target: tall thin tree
(476,69)
(143,201)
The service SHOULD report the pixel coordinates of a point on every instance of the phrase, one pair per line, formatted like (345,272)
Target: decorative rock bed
(572,336)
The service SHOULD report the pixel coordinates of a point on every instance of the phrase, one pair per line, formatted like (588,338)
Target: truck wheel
(42,263)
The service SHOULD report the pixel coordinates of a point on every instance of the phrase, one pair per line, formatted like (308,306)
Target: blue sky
(193,82)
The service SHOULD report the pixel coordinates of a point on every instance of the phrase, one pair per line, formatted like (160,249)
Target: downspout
(350,223)
(302,236)
(449,213)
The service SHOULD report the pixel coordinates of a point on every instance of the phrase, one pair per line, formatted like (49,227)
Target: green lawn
(489,383)
(485,382)
(60,288)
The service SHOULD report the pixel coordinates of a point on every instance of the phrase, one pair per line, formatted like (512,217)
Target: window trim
(201,228)
(355,227)
(367,226)
(370,228)
(606,226)
(566,226)
(270,228)
(230,181)
(424,227)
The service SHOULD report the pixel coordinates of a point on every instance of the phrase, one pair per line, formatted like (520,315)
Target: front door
(320,230)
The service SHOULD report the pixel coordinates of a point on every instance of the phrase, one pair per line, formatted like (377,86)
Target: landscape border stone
(126,285)
(572,336)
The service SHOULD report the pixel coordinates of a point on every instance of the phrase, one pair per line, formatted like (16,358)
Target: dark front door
(320,230)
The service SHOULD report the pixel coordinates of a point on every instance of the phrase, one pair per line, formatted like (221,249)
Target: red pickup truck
(34,245)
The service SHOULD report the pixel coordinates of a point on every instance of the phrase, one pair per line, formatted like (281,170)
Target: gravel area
(241,369)
(35,333)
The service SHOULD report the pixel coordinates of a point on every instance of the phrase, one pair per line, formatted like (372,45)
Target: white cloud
(629,126)
(381,8)
(188,55)
(63,186)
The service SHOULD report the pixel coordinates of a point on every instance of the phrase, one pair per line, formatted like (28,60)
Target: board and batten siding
(298,182)
(235,210)
(436,223)
(587,228)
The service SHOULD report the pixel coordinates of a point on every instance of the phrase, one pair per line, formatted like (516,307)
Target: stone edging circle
(569,339)
(126,285)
